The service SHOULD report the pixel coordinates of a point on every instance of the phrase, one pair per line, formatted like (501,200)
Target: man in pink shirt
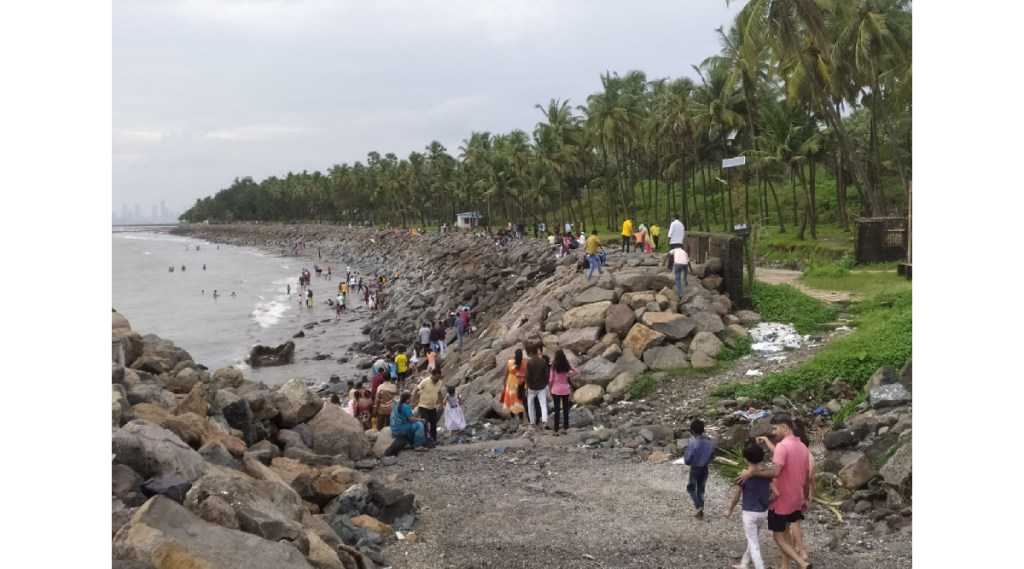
(789,468)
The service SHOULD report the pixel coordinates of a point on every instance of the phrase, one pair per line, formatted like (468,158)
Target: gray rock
(337,432)
(296,403)
(673,326)
(707,322)
(126,486)
(628,363)
(580,339)
(706,343)
(215,453)
(594,294)
(189,541)
(890,395)
(620,384)
(153,451)
(665,357)
(619,320)
(897,470)
(597,371)
(882,376)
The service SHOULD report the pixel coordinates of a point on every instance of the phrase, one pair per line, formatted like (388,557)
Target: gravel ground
(547,501)
(554,504)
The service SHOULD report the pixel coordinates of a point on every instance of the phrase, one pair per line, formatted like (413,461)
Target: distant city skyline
(133,214)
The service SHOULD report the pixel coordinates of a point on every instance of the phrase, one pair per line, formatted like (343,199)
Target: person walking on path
(699,452)
(627,234)
(592,248)
(537,376)
(424,338)
(790,465)
(655,234)
(561,370)
(429,391)
(756,495)
(795,529)
(676,233)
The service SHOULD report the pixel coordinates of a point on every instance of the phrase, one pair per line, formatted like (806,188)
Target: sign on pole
(737,161)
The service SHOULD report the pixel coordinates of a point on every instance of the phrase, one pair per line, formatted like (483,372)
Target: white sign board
(730,162)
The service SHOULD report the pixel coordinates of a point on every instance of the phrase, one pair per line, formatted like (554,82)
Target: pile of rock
(212,470)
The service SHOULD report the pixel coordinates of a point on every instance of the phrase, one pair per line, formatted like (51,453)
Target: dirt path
(545,501)
(792,278)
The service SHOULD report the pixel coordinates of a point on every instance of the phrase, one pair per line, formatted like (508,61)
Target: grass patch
(862,284)
(849,408)
(879,461)
(883,338)
(742,348)
(786,304)
(642,386)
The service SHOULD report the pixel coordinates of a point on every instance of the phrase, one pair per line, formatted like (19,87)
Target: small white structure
(468,220)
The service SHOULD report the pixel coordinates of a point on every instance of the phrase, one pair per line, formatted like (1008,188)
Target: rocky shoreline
(179,428)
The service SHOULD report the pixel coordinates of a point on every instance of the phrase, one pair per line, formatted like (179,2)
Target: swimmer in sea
(183,267)
(215,293)
(232,293)
(204,266)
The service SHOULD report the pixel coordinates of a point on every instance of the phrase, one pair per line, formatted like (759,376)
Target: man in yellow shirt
(655,233)
(591,249)
(402,363)
(429,391)
(627,234)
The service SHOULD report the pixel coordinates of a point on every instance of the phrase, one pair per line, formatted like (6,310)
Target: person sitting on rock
(405,428)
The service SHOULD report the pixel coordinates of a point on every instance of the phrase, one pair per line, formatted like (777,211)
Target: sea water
(252,306)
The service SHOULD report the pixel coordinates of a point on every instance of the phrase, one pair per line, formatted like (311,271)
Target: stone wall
(728,248)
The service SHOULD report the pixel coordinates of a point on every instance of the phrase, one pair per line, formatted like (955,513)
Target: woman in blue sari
(407,427)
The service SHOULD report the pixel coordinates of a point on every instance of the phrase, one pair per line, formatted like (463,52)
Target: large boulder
(296,403)
(665,357)
(588,395)
(707,322)
(640,338)
(196,431)
(586,316)
(153,451)
(264,356)
(477,407)
(707,344)
(121,409)
(628,363)
(855,471)
(592,295)
(579,339)
(620,384)
(265,508)
(619,319)
(322,485)
(890,395)
(597,371)
(337,432)
(673,326)
(637,299)
(898,469)
(164,535)
(385,438)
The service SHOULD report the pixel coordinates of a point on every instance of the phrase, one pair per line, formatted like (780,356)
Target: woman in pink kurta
(561,370)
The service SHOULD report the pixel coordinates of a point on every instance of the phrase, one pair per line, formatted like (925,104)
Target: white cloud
(257,132)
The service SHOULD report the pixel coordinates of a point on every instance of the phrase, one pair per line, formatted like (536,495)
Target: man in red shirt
(790,470)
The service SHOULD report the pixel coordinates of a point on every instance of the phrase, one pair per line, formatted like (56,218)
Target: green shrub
(642,386)
(849,408)
(742,348)
(883,337)
(784,303)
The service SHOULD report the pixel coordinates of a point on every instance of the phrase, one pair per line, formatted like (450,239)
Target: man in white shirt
(676,232)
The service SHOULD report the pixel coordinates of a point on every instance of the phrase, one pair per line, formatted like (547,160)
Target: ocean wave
(266,314)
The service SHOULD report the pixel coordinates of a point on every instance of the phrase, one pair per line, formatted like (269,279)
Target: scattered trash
(399,535)
(751,414)
(589,556)
(772,338)
(754,372)
(498,450)
(678,461)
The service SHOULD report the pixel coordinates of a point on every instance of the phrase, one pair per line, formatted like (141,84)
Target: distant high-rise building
(138,213)
(154,214)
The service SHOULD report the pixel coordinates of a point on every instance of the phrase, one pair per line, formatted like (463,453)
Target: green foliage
(786,304)
(859,283)
(883,337)
(730,471)
(879,461)
(642,386)
(838,269)
(849,408)
(742,348)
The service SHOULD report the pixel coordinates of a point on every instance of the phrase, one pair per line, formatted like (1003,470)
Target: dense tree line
(806,90)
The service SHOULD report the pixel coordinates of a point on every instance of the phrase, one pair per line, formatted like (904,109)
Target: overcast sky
(208,90)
